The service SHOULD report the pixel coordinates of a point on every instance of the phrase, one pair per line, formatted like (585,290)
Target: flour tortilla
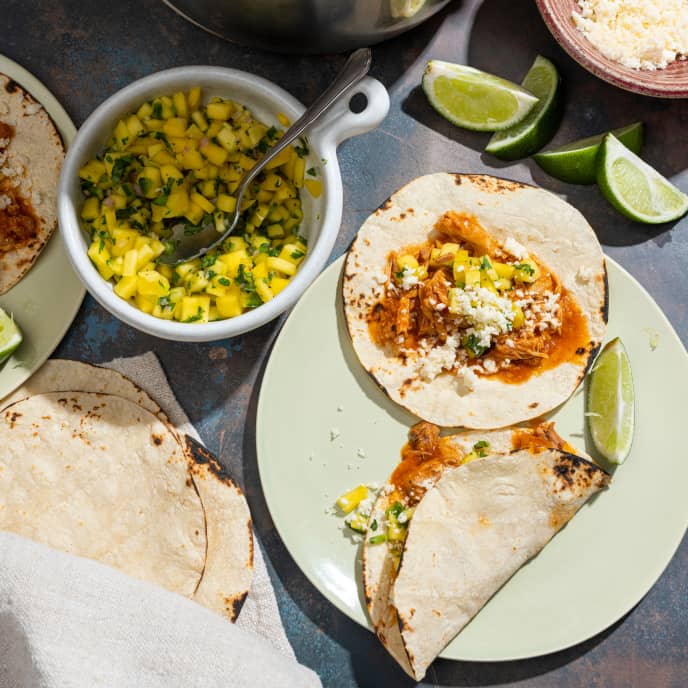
(229,564)
(34,158)
(228,568)
(548,227)
(98,476)
(379,568)
(472,531)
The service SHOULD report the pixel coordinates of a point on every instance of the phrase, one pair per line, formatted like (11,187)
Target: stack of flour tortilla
(92,466)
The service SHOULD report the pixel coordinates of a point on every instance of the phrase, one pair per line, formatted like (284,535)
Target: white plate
(588,577)
(47,299)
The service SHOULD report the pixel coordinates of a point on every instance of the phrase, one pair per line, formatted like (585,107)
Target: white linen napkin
(259,613)
(70,622)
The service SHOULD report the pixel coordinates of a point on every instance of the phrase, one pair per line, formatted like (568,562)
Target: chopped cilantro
(395,509)
(120,168)
(157,110)
(224,281)
(145,185)
(208,261)
(124,213)
(312,171)
(472,344)
(377,539)
(303,150)
(480,448)
(297,254)
(253,301)
(165,193)
(485,263)
(197,316)
(91,189)
(244,279)
(373,525)
(164,302)
(525,267)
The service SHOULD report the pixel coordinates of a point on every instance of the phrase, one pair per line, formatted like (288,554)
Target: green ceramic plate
(46,301)
(587,577)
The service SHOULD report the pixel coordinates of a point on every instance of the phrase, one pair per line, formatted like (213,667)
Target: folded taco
(475,301)
(488,500)
(31,154)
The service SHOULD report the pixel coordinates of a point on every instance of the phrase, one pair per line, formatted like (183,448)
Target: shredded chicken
(464,228)
(431,320)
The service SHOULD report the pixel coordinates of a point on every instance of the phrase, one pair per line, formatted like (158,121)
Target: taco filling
(18,221)
(464,303)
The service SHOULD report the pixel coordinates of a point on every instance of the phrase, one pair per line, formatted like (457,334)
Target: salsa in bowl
(171,149)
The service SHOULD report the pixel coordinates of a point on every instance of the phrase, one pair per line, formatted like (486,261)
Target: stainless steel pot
(307,26)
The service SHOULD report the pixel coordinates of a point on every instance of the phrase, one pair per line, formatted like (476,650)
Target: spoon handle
(355,68)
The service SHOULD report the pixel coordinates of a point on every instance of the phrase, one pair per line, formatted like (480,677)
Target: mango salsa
(178,160)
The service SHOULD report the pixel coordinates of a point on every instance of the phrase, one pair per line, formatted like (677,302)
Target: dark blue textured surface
(85,51)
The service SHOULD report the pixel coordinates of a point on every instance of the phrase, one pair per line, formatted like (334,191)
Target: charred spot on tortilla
(233,605)
(11,86)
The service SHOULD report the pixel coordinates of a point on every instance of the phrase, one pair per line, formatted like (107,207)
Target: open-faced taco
(475,301)
(457,518)
(31,155)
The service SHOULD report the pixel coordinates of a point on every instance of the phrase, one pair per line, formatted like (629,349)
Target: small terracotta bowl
(671,82)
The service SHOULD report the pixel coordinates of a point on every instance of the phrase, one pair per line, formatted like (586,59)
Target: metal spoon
(188,246)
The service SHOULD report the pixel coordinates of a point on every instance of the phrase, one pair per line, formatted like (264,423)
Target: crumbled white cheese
(486,313)
(465,380)
(4,143)
(584,274)
(438,359)
(640,34)
(408,278)
(490,366)
(4,201)
(515,249)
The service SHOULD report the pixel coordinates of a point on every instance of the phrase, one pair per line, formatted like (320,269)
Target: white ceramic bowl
(322,216)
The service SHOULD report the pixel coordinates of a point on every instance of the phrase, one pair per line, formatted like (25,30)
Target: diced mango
(351,499)
(220,111)
(126,287)
(92,171)
(202,202)
(194,98)
(229,306)
(281,265)
(91,208)
(194,309)
(180,105)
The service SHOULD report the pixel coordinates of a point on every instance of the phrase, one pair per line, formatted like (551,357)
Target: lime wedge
(575,162)
(634,188)
(539,126)
(609,408)
(473,99)
(10,336)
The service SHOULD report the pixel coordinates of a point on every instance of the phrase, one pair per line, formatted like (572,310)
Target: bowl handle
(341,123)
